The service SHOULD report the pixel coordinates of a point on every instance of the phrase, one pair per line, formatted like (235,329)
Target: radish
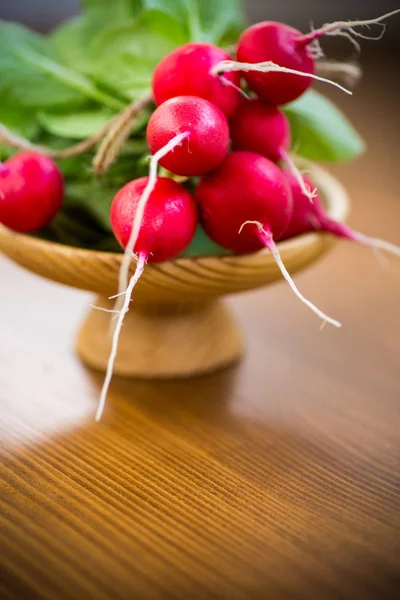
(31,191)
(167,227)
(186,72)
(245,204)
(308,217)
(264,129)
(207,135)
(278,61)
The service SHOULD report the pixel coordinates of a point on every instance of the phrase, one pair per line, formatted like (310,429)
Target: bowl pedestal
(162,340)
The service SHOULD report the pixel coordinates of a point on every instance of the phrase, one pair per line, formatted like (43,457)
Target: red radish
(308,217)
(167,226)
(278,61)
(207,135)
(264,129)
(276,42)
(260,128)
(31,191)
(186,72)
(169,220)
(248,189)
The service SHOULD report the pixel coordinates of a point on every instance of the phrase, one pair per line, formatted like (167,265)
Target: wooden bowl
(177,325)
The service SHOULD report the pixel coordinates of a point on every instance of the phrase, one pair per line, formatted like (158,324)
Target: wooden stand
(162,340)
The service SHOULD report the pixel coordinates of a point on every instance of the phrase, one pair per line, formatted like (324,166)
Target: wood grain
(163,340)
(275,479)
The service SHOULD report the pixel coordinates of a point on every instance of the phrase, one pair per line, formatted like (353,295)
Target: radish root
(376,243)
(114,347)
(311,194)
(228,83)
(267,239)
(349,73)
(227,66)
(126,260)
(346,29)
(123,297)
(344,231)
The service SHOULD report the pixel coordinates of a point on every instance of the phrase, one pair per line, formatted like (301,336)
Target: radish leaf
(320,131)
(77,125)
(204,20)
(125,56)
(73,37)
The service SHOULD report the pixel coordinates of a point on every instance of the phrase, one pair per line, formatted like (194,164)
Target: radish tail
(349,73)
(340,27)
(126,261)
(375,243)
(227,66)
(114,348)
(267,239)
(228,83)
(342,230)
(310,194)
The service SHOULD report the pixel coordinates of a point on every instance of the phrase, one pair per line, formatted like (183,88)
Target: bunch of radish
(219,121)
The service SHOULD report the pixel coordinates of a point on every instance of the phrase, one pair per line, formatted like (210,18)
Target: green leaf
(217,17)
(205,20)
(125,56)
(31,75)
(73,37)
(130,75)
(21,75)
(93,197)
(177,9)
(320,131)
(76,124)
(20,121)
(202,245)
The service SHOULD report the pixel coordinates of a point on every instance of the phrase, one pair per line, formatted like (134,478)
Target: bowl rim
(330,187)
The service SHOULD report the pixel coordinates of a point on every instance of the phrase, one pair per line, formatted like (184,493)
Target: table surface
(278,478)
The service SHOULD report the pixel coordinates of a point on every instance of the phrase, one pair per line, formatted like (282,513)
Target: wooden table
(278,478)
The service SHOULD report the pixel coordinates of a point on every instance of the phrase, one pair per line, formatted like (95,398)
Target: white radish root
(114,347)
(227,66)
(348,72)
(228,83)
(307,191)
(376,243)
(124,295)
(267,239)
(346,29)
(127,258)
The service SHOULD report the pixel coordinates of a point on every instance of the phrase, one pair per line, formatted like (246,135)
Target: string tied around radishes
(110,132)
